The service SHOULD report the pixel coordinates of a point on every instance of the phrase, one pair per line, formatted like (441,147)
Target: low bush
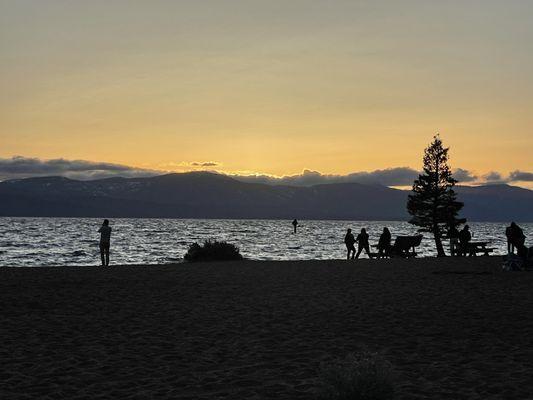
(213,250)
(363,376)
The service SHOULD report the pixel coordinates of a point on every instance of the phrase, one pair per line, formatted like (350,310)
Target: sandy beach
(452,328)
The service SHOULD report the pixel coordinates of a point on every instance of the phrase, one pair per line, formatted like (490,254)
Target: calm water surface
(74,241)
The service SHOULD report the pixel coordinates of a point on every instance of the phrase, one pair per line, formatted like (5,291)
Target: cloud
(493,176)
(463,175)
(25,167)
(521,176)
(401,176)
(205,164)
(184,166)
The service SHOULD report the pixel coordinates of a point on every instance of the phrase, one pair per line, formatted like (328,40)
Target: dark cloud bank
(24,167)
(389,177)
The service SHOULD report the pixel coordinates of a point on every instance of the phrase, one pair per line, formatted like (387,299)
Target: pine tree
(433,205)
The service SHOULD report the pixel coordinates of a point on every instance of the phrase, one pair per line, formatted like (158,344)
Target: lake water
(74,241)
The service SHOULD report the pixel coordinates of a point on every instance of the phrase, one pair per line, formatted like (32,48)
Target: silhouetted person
(517,235)
(384,243)
(362,243)
(453,234)
(464,238)
(105,242)
(349,241)
(294,224)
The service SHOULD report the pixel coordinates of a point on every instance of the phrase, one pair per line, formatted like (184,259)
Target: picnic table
(473,248)
(404,246)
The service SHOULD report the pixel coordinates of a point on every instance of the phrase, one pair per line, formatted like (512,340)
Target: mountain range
(210,195)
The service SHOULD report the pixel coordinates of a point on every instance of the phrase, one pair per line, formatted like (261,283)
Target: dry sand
(452,328)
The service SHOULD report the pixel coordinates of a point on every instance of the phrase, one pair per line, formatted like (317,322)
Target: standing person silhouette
(516,235)
(453,234)
(105,242)
(464,239)
(349,241)
(295,224)
(362,243)
(384,243)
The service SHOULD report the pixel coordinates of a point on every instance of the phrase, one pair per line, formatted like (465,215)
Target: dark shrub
(364,376)
(213,251)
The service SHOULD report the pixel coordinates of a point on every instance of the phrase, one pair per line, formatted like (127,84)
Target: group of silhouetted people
(459,240)
(362,243)
(383,246)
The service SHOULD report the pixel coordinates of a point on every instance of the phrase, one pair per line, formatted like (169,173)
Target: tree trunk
(438,244)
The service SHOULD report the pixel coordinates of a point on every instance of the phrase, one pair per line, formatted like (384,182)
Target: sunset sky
(268,87)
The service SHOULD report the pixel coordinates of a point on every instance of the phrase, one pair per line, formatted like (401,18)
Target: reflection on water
(74,241)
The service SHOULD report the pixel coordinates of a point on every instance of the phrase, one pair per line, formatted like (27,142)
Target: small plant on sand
(213,250)
(363,376)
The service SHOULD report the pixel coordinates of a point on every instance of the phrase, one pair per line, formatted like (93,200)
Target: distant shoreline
(288,220)
(204,195)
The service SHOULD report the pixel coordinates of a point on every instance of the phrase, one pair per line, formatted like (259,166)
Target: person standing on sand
(464,238)
(384,243)
(453,235)
(349,241)
(295,224)
(362,240)
(105,242)
(517,236)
